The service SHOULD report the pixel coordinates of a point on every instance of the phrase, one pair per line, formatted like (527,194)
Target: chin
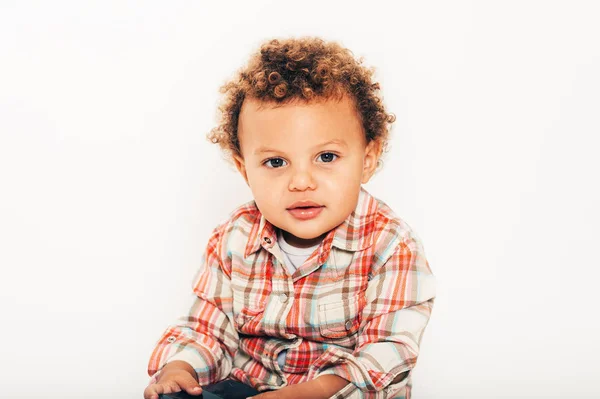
(308,234)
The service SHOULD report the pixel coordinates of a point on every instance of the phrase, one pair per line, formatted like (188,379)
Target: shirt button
(171,339)
(348,325)
(267,240)
(283,298)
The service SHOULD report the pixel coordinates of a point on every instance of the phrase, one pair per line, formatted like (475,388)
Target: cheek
(266,191)
(347,175)
(262,183)
(256,178)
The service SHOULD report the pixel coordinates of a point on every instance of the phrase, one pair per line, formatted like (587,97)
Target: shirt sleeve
(205,338)
(399,298)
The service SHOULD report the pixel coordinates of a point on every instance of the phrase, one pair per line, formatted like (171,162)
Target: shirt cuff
(200,359)
(365,383)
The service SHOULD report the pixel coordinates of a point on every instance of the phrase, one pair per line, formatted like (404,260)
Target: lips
(304,204)
(305,210)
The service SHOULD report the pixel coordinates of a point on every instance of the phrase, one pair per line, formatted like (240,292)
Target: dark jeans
(226,389)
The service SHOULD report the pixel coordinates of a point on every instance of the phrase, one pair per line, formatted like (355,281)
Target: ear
(372,153)
(240,166)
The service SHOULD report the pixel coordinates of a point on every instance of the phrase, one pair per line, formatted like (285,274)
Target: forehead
(296,123)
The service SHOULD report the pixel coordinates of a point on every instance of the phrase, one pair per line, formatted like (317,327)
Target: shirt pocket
(247,315)
(339,319)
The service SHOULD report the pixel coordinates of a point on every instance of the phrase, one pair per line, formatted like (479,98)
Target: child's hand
(173,378)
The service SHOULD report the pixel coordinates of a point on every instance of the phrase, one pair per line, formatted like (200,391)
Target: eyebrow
(334,141)
(261,150)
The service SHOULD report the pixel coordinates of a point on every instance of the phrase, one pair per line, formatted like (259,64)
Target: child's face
(304,164)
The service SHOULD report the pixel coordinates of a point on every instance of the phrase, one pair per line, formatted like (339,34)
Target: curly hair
(304,69)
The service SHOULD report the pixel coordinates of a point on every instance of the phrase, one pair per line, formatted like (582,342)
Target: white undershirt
(294,257)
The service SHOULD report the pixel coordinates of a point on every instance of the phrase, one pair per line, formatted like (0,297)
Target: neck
(302,242)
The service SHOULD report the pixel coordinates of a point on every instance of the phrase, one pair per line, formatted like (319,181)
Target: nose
(302,180)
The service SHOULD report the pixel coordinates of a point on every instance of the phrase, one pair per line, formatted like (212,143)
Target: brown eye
(275,163)
(327,157)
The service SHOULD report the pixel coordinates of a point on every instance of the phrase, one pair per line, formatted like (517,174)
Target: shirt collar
(356,233)
(358,230)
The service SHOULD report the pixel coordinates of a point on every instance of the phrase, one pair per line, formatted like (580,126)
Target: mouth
(305,210)
(303,204)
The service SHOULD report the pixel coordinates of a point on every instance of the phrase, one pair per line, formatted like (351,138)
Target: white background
(109,189)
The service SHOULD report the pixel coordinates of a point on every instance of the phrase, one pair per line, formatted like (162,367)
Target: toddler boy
(314,289)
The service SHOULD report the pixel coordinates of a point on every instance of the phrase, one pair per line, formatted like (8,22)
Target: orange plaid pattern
(356,308)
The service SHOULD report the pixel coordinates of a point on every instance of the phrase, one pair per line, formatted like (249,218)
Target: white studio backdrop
(109,189)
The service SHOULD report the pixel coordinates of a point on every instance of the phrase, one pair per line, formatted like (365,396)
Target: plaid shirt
(356,308)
